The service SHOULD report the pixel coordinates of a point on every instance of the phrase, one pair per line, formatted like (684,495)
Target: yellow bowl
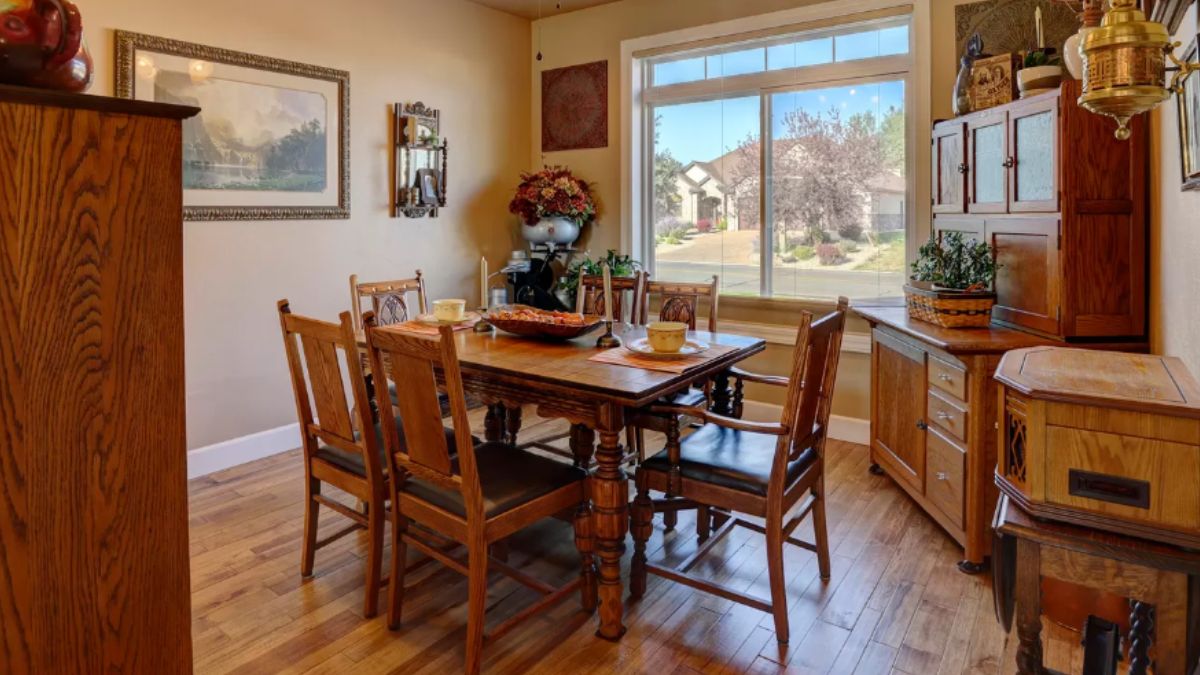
(449,310)
(667,336)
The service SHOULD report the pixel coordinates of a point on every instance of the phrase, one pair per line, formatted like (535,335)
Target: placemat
(620,356)
(422,328)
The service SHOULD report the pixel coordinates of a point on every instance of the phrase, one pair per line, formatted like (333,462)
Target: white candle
(608,300)
(483,285)
(1037,16)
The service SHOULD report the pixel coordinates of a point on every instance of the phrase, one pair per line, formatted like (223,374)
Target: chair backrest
(325,416)
(389,299)
(415,360)
(680,301)
(591,290)
(810,394)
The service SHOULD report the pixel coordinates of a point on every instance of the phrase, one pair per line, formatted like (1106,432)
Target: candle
(1037,17)
(483,285)
(608,300)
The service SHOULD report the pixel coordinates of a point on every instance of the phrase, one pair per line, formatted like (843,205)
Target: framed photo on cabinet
(272,141)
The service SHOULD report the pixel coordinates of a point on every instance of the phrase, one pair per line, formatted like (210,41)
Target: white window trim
(635,132)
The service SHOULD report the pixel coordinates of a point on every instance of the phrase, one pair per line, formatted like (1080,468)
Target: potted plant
(1042,71)
(553,205)
(952,282)
(619,265)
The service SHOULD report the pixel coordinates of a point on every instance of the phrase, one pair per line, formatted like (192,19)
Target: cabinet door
(898,401)
(950,168)
(988,164)
(1033,140)
(1028,285)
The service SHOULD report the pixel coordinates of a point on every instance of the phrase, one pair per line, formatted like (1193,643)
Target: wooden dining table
(557,378)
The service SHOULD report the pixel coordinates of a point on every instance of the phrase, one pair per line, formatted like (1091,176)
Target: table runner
(620,356)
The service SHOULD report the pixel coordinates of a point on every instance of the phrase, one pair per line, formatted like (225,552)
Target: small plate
(690,348)
(468,317)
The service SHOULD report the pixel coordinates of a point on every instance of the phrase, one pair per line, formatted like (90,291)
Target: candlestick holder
(608,340)
(482,325)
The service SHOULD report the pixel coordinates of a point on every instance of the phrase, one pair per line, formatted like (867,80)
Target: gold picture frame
(1188,100)
(235,167)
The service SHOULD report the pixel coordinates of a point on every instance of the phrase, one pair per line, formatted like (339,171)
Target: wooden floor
(895,603)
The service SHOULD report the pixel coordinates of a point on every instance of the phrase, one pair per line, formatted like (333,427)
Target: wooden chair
(760,469)
(390,300)
(334,452)
(478,496)
(590,293)
(678,301)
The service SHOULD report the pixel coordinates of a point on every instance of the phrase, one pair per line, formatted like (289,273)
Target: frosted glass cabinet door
(1035,151)
(949,167)
(990,163)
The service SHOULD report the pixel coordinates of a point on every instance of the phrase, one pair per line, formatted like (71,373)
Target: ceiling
(529,8)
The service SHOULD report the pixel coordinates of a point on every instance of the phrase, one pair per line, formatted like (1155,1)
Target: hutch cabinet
(1069,228)
(93,456)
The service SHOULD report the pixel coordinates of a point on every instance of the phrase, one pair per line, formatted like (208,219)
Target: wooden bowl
(540,329)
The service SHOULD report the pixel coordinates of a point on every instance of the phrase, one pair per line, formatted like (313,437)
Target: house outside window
(781,163)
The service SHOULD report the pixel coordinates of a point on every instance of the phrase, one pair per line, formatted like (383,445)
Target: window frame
(639,101)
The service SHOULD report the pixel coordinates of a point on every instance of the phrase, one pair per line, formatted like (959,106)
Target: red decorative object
(41,45)
(553,192)
(575,107)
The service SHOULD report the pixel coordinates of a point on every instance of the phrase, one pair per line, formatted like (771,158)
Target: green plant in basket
(620,266)
(956,263)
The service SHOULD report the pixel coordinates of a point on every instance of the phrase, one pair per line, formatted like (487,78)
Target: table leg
(1141,636)
(722,400)
(1029,608)
(512,423)
(493,422)
(610,503)
(583,445)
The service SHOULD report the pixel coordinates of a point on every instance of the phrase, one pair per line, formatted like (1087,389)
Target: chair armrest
(771,428)
(774,380)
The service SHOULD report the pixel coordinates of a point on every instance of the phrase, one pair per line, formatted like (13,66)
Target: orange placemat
(422,328)
(620,356)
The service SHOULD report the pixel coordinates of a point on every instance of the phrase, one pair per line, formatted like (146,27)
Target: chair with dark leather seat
(756,468)
(478,497)
(334,451)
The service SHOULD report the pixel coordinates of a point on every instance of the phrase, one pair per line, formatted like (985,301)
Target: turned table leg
(610,504)
(493,423)
(1141,636)
(512,424)
(583,445)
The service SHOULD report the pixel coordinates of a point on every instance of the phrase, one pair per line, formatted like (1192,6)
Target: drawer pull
(942,475)
(1113,489)
(943,415)
(944,377)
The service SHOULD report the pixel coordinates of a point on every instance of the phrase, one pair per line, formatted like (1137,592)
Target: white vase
(1072,57)
(561,231)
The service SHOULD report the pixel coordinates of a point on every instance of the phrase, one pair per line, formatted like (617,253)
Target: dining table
(560,380)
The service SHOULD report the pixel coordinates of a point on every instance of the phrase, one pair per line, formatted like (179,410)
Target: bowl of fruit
(532,322)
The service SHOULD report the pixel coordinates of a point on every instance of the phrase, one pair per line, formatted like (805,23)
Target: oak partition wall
(93,488)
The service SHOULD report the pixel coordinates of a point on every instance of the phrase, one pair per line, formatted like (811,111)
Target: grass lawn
(888,257)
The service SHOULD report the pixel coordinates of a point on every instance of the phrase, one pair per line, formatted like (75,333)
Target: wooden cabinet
(950,168)
(900,434)
(93,457)
(1064,204)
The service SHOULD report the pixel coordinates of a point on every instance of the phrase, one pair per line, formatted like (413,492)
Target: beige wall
(469,61)
(1175,238)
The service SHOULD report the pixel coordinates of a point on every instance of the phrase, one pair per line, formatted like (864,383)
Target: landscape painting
(271,140)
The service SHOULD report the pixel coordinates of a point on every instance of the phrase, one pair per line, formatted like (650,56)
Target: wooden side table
(1161,581)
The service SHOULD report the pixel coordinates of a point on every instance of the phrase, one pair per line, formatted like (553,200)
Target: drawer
(949,415)
(944,464)
(949,378)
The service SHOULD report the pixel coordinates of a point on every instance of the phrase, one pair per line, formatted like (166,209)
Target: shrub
(704,225)
(804,252)
(669,224)
(849,246)
(723,225)
(850,230)
(830,254)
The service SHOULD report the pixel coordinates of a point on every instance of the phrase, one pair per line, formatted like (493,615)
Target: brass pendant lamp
(1124,65)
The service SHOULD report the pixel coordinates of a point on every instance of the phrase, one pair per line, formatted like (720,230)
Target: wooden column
(610,502)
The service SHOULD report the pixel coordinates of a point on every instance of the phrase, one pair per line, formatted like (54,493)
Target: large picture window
(782,164)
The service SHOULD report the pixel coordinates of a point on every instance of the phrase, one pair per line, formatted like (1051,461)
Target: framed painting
(1189,121)
(272,140)
(575,107)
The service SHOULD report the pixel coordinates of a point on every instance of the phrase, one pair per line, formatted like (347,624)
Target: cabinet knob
(922,425)
(962,168)
(1009,163)
(941,475)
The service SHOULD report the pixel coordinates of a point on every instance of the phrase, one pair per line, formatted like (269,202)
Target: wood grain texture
(93,554)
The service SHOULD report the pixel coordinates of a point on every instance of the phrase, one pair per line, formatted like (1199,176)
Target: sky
(706,130)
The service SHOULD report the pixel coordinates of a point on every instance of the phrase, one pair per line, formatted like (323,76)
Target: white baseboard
(842,428)
(226,454)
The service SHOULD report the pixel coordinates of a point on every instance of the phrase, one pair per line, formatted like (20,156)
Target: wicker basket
(949,309)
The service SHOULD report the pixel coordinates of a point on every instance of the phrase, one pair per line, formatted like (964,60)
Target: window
(782,164)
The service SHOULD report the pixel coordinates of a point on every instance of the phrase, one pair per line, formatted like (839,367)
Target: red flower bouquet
(553,193)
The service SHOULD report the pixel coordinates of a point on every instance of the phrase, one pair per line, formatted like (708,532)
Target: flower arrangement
(956,263)
(553,192)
